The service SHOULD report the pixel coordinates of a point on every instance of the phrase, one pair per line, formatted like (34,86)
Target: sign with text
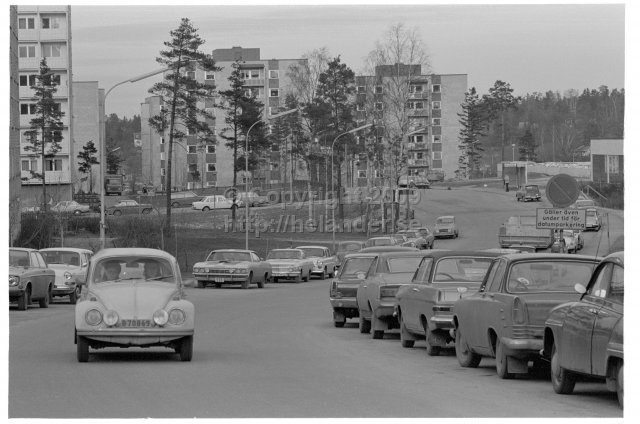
(561,219)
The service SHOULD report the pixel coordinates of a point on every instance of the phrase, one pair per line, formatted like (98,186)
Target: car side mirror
(84,264)
(580,288)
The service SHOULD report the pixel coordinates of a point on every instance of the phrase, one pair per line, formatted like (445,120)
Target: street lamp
(246,172)
(333,209)
(103,154)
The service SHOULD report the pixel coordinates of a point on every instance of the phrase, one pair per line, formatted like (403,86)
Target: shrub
(136,230)
(37,230)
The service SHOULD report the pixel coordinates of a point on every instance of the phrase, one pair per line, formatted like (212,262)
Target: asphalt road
(275,353)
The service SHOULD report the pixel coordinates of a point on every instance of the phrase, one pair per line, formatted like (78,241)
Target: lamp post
(246,172)
(513,152)
(333,209)
(103,154)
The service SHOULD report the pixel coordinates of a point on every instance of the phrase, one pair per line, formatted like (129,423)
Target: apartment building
(87,119)
(432,103)
(14,129)
(196,165)
(45,32)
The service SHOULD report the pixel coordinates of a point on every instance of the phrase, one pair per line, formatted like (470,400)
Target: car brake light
(519,311)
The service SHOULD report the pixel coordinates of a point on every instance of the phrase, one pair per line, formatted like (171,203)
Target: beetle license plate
(135,323)
(218,279)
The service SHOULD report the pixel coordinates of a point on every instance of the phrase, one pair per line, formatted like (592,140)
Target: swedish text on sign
(561,219)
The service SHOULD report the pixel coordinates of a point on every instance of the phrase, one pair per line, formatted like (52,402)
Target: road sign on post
(562,190)
(561,219)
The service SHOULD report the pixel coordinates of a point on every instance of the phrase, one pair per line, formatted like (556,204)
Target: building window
(360,107)
(190,74)
(417,138)
(209,76)
(26,23)
(52,22)
(27,109)
(274,92)
(27,51)
(274,74)
(211,148)
(54,80)
(379,106)
(435,105)
(53,165)
(436,139)
(51,50)
(419,105)
(361,89)
(378,89)
(614,164)
(437,155)
(211,167)
(435,121)
(163,172)
(415,88)
(377,173)
(161,155)
(362,173)
(192,148)
(28,80)
(435,88)
(161,140)
(25,165)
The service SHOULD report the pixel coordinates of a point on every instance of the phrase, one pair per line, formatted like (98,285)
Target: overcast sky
(532,47)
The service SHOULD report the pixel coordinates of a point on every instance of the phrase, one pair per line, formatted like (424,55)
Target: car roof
(394,248)
(352,241)
(549,256)
(123,251)
(24,249)
(232,250)
(285,248)
(66,249)
(380,237)
(441,253)
(446,216)
(617,257)
(311,246)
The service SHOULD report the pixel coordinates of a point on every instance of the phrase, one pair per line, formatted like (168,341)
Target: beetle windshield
(123,268)
(61,257)
(228,256)
(18,258)
(354,266)
(408,264)
(284,254)
(548,276)
(450,270)
(313,251)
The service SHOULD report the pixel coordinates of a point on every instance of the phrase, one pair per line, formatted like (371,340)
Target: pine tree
(472,121)
(88,158)
(185,97)
(527,147)
(45,134)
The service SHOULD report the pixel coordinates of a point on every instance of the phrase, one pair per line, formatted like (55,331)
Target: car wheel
(275,280)
(25,300)
(377,334)
(466,358)
(146,211)
(218,286)
(501,361)
(405,338)
(262,283)
(339,319)
(325,275)
(246,283)
(308,276)
(44,302)
(73,297)
(175,204)
(563,381)
(82,349)
(364,325)
(186,349)
(117,213)
(620,385)
(431,349)
(206,209)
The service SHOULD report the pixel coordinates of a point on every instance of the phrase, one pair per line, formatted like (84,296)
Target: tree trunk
(167,177)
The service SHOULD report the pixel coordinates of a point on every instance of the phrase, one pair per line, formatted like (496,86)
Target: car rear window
(548,276)
(353,266)
(407,264)
(450,270)
(61,257)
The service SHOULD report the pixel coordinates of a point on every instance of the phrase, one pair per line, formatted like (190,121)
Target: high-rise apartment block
(14,129)
(45,32)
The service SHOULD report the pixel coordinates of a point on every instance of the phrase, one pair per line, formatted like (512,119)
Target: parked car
(71,206)
(446,227)
(217,201)
(528,193)
(583,203)
(342,293)
(129,207)
(505,318)
(134,298)
(253,199)
(586,337)
(419,241)
(593,220)
(70,266)
(30,279)
(324,262)
(290,264)
(381,241)
(346,247)
(571,241)
(425,306)
(426,234)
(181,199)
(376,295)
(232,266)
(417,181)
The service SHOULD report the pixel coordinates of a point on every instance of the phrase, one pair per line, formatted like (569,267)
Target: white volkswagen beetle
(134,298)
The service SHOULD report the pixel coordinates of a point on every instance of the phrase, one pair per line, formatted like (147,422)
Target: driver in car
(111,271)
(152,270)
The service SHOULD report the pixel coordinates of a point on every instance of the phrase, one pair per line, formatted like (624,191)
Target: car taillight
(333,291)
(519,311)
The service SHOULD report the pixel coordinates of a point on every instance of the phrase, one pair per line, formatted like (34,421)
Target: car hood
(223,264)
(134,296)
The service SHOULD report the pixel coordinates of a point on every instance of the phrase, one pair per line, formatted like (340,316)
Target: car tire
(502,367)
(25,300)
(175,205)
(146,211)
(563,381)
(275,279)
(82,349)
(466,358)
(218,286)
(186,349)
(364,325)
(262,283)
(44,302)
(406,340)
(307,277)
(325,274)
(199,284)
(620,385)
(206,209)
(377,334)
(117,213)
(339,319)
(246,283)
(73,297)
(431,349)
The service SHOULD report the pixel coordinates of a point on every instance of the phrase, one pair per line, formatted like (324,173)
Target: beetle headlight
(111,318)
(160,317)
(93,317)
(177,317)
(14,280)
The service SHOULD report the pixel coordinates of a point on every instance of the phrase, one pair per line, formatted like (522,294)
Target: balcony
(417,112)
(421,95)
(254,82)
(417,162)
(417,146)
(51,177)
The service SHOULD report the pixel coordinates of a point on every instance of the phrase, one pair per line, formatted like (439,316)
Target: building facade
(430,121)
(45,32)
(199,166)
(15,182)
(607,161)
(86,121)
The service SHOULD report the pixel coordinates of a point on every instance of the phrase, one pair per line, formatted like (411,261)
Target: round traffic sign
(562,190)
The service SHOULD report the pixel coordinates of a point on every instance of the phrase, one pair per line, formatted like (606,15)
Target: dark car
(129,207)
(528,193)
(29,278)
(425,306)
(180,199)
(346,247)
(342,293)
(586,337)
(505,319)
